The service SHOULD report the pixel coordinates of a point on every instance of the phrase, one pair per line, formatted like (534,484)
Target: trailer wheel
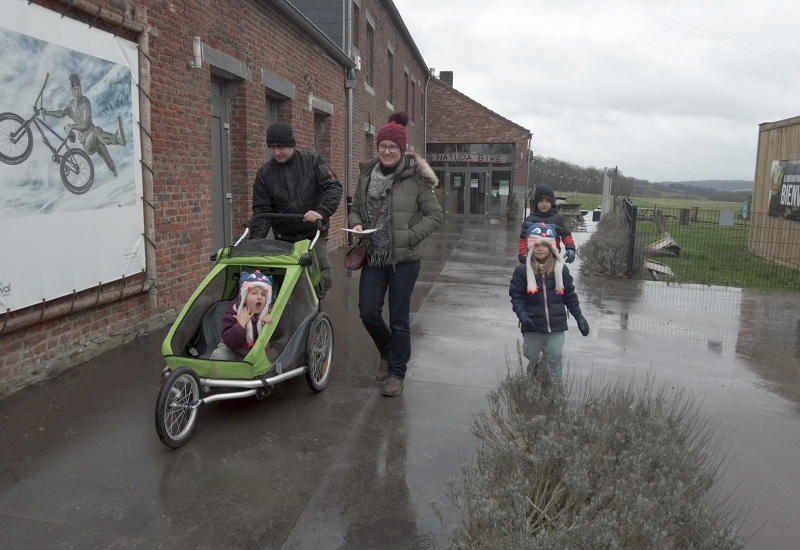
(319,352)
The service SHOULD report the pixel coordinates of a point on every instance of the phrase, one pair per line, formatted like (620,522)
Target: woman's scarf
(380,254)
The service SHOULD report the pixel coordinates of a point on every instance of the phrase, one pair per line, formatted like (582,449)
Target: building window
(413,99)
(390,63)
(405,93)
(273,116)
(369,54)
(322,136)
(356,23)
(368,147)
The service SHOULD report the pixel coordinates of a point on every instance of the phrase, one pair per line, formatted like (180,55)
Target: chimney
(446,77)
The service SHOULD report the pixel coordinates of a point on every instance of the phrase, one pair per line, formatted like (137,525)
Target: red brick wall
(255,33)
(455,118)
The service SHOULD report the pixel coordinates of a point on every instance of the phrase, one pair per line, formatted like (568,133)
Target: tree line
(565,176)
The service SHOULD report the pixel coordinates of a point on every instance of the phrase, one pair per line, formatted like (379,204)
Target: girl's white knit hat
(544,233)
(247,282)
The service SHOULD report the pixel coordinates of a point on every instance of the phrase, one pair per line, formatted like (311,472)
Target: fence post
(633,212)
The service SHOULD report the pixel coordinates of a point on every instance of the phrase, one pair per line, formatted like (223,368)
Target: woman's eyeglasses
(391,148)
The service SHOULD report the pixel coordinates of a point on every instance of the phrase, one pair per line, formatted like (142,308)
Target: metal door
(220,166)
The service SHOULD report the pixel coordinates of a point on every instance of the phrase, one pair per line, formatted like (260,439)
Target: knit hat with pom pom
(395,131)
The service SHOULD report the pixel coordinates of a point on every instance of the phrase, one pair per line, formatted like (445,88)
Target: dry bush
(606,251)
(615,466)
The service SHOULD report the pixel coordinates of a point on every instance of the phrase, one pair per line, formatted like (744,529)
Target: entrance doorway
(467,192)
(500,193)
(220,165)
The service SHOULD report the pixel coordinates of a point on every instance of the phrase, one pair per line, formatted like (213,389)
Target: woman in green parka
(394,196)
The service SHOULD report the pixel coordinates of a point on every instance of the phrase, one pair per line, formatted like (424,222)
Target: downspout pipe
(425,121)
(350,82)
(527,180)
(148,192)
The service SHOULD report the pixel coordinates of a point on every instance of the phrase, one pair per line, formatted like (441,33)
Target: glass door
(455,196)
(477,194)
(500,193)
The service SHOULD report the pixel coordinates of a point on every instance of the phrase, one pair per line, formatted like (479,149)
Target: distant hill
(566,176)
(720,185)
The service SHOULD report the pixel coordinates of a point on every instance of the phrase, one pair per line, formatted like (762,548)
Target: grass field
(715,255)
(710,253)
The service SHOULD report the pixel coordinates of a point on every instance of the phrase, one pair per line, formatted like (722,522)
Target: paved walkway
(82,466)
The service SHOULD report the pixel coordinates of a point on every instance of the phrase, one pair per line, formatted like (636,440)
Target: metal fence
(712,247)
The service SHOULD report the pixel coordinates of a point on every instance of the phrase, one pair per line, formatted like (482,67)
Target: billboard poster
(70,179)
(784,190)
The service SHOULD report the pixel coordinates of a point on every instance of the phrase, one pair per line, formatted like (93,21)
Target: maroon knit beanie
(395,131)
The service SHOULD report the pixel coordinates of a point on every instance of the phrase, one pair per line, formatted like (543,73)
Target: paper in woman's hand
(362,232)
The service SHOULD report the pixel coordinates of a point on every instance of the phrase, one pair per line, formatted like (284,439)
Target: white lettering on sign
(790,195)
(468,157)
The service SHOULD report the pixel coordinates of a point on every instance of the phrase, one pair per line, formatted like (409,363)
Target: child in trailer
(541,292)
(543,210)
(246,317)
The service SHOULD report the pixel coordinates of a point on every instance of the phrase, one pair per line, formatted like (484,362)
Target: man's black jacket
(305,182)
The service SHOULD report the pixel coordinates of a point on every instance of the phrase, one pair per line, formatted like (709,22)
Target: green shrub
(606,251)
(618,466)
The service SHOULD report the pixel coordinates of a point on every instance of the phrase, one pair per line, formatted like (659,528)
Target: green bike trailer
(298,341)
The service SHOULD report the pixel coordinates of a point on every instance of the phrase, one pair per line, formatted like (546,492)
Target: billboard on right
(784,189)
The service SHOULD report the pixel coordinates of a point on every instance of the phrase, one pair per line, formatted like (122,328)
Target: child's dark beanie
(544,191)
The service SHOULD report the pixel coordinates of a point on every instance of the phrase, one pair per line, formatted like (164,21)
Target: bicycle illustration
(16,143)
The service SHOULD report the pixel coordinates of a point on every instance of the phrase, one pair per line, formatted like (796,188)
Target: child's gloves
(522,258)
(569,255)
(583,326)
(526,319)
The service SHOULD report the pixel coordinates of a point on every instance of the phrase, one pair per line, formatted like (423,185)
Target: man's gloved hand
(522,258)
(583,326)
(569,255)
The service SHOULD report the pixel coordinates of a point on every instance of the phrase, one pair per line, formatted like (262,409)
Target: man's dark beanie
(280,134)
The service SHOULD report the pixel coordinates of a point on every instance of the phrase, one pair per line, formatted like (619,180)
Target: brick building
(211,77)
(479,156)
(218,73)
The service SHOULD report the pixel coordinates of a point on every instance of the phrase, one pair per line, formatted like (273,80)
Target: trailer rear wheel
(319,352)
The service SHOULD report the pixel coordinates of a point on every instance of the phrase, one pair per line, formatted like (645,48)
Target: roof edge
(779,123)
(305,24)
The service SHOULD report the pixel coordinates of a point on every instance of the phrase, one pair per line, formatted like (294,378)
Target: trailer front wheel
(177,407)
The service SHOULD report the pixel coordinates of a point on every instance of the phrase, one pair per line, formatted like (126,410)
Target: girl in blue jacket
(541,292)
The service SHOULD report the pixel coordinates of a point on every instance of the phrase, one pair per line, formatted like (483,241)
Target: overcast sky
(665,90)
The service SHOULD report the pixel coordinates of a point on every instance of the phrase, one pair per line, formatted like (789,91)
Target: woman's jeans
(553,345)
(393,341)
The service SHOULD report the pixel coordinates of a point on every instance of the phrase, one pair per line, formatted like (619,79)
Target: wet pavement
(81,465)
